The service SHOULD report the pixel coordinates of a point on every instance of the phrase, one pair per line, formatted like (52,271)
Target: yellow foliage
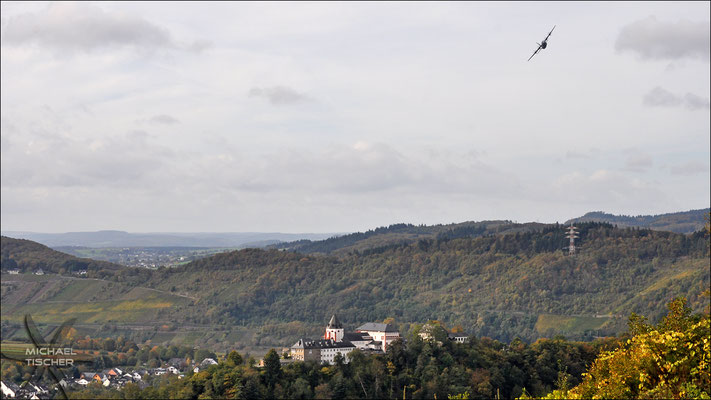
(660,363)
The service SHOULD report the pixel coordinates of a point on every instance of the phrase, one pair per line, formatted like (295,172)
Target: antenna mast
(572,235)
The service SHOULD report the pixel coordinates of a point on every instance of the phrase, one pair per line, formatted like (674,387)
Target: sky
(345,116)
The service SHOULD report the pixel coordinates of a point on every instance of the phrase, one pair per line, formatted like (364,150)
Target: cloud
(651,39)
(279,95)
(689,168)
(638,162)
(67,26)
(163,119)
(660,97)
(694,102)
(364,168)
(199,46)
(572,154)
(608,189)
(50,160)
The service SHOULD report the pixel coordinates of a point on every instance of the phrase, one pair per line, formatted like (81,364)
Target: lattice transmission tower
(572,235)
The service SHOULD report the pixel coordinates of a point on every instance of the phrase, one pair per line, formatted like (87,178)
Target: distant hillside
(28,256)
(502,286)
(679,222)
(103,239)
(402,234)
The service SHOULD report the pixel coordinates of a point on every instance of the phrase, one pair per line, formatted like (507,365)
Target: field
(569,324)
(96,304)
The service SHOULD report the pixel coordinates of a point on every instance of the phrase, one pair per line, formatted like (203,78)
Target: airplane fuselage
(544,44)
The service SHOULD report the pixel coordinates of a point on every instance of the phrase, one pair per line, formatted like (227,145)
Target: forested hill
(29,256)
(399,234)
(502,286)
(508,285)
(679,222)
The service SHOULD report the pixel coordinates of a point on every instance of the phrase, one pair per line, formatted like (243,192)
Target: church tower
(334,330)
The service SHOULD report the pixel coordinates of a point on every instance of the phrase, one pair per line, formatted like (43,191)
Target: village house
(87,375)
(9,389)
(82,381)
(459,337)
(113,372)
(178,363)
(204,364)
(427,332)
(27,390)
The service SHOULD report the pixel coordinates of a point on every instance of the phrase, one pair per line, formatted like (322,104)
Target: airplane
(542,45)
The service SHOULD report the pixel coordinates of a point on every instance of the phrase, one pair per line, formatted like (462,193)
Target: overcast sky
(338,117)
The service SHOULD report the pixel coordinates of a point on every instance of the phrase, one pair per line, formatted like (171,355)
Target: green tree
(235,358)
(272,368)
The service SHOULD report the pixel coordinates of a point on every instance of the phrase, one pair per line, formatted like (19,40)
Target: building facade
(383,333)
(322,350)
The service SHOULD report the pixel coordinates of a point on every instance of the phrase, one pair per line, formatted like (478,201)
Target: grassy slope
(54,299)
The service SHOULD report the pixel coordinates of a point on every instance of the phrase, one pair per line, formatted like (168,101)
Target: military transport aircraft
(542,45)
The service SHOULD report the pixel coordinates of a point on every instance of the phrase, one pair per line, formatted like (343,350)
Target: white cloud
(694,102)
(689,168)
(638,162)
(660,97)
(279,95)
(364,167)
(163,119)
(51,160)
(652,39)
(610,190)
(71,26)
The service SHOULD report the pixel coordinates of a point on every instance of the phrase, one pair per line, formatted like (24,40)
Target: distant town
(144,257)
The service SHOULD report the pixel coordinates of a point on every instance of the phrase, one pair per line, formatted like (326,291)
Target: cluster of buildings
(112,378)
(371,337)
(40,271)
(28,390)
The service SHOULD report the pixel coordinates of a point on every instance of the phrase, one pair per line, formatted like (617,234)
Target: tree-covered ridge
(503,285)
(493,286)
(679,222)
(670,360)
(402,234)
(28,256)
(415,369)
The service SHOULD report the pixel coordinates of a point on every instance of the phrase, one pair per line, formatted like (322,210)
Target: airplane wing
(549,33)
(535,52)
